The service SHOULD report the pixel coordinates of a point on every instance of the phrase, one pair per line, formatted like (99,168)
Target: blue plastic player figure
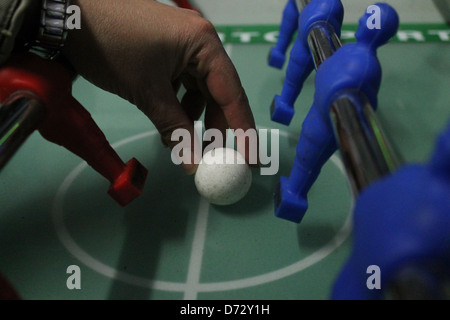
(402,227)
(352,67)
(300,63)
(288,27)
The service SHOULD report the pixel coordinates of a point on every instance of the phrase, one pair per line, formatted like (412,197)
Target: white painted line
(287,271)
(198,242)
(198,245)
(192,288)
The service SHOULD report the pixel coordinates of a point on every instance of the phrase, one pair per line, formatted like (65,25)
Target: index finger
(225,88)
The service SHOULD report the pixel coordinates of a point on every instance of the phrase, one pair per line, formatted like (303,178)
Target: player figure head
(377,25)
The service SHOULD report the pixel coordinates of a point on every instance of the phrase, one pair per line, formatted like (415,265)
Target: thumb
(176,130)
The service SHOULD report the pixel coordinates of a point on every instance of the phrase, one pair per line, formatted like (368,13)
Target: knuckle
(204,27)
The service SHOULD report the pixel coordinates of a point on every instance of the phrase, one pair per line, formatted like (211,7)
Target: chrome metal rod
(366,152)
(323,42)
(367,156)
(322,38)
(301,4)
(20,115)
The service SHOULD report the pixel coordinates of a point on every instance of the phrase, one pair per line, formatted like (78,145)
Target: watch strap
(52,28)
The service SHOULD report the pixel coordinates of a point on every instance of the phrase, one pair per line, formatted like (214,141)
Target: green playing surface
(170,243)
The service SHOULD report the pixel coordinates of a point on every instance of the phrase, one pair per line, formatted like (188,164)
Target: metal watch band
(52,29)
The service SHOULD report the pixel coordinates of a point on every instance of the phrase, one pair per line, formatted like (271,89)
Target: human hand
(144,50)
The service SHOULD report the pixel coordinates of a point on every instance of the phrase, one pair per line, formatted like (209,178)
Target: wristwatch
(52,29)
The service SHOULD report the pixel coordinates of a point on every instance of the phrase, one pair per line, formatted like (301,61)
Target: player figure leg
(299,68)
(288,26)
(316,145)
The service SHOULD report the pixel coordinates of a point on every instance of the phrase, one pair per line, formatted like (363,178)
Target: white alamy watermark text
(257,146)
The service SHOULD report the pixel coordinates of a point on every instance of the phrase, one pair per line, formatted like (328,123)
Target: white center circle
(71,245)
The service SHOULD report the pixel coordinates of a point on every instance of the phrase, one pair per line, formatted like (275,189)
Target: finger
(225,88)
(214,117)
(176,129)
(215,120)
(197,93)
(193,101)
(176,85)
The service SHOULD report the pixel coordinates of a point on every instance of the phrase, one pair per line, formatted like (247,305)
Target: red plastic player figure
(67,123)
